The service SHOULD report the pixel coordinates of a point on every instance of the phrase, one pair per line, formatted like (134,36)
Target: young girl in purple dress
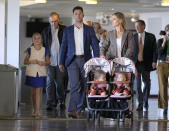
(36,60)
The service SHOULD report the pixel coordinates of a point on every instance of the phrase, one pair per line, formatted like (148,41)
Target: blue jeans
(56,85)
(77,84)
(142,96)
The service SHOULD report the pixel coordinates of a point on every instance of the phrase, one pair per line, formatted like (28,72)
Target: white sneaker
(162,112)
(145,109)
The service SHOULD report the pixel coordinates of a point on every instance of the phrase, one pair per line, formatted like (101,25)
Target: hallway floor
(56,121)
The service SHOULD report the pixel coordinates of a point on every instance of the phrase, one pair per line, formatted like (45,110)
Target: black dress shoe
(62,107)
(139,109)
(49,108)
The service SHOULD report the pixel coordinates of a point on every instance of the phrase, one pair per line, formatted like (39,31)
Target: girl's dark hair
(77,8)
(162,32)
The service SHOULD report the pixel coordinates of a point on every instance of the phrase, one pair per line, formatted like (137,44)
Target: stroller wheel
(131,114)
(88,115)
(93,115)
(98,117)
(121,116)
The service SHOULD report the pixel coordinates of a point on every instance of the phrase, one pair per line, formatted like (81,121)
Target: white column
(2,32)
(13,32)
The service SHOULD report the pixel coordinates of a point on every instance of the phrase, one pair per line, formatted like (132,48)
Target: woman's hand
(33,61)
(164,41)
(41,63)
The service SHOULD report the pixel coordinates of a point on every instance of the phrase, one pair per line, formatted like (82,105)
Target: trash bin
(8,90)
(25,93)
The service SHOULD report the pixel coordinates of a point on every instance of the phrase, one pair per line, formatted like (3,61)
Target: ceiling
(64,7)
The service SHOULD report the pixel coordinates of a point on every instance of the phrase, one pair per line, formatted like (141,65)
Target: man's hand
(62,68)
(154,65)
(103,57)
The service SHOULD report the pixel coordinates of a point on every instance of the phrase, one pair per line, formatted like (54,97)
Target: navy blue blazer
(149,50)
(67,50)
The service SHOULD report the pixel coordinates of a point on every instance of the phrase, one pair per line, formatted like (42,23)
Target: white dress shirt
(118,40)
(55,47)
(143,37)
(78,36)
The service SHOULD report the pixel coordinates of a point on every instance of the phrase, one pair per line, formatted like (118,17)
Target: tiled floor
(56,121)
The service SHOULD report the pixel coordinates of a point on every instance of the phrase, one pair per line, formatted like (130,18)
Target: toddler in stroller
(100,87)
(121,85)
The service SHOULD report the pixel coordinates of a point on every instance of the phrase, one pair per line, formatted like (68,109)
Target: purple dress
(36,82)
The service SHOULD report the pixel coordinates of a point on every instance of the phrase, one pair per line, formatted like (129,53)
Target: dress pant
(163,74)
(56,85)
(143,76)
(77,84)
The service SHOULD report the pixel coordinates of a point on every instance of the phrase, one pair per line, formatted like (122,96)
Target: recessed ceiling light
(91,1)
(165,3)
(112,9)
(133,19)
(40,1)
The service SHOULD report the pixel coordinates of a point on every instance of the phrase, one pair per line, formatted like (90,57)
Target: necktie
(140,53)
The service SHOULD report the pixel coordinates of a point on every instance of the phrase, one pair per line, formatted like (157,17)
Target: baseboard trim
(155,96)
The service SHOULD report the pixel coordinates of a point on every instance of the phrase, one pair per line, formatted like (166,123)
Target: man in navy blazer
(75,51)
(145,58)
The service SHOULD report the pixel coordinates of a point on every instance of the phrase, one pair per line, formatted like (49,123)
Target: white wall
(24,42)
(13,32)
(155,22)
(2,32)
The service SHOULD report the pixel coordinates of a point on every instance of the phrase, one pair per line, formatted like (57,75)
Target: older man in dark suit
(145,58)
(56,80)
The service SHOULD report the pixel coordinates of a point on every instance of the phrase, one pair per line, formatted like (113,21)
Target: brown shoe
(80,115)
(72,114)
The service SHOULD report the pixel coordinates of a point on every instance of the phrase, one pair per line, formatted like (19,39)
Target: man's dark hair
(141,22)
(77,8)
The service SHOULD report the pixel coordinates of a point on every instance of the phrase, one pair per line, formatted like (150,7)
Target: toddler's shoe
(103,94)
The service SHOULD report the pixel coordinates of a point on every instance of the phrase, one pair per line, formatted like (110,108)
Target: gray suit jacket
(109,48)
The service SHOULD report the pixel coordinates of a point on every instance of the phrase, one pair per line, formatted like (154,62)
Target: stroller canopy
(125,63)
(94,63)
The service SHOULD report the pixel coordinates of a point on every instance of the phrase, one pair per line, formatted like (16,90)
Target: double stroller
(109,91)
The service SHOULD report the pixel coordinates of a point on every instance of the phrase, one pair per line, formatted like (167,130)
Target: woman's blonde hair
(121,16)
(167,27)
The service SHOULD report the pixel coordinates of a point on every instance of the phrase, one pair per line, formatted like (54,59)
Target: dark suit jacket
(109,48)
(47,37)
(162,52)
(67,51)
(149,50)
